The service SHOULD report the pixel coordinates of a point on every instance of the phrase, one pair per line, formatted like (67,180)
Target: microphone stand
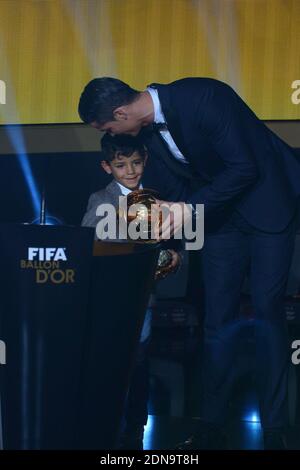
(43,208)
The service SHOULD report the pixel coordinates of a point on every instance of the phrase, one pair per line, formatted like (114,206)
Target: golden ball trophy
(144,216)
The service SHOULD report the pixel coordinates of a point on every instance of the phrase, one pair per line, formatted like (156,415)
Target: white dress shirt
(125,191)
(160,118)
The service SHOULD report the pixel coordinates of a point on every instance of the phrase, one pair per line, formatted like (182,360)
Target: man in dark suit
(249,181)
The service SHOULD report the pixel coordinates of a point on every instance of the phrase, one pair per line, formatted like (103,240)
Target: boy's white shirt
(125,191)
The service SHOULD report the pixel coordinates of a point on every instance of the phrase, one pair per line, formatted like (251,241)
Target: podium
(71,311)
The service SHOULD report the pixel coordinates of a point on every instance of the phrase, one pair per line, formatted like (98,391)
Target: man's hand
(174,215)
(163,271)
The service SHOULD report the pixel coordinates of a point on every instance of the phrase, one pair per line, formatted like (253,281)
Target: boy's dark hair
(101,97)
(126,145)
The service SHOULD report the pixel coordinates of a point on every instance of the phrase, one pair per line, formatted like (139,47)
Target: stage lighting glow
(148,433)
(50,220)
(253,417)
(17,140)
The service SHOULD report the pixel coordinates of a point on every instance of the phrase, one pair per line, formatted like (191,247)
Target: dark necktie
(157,145)
(159,126)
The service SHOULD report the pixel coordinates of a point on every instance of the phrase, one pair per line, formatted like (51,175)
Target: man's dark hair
(125,145)
(101,97)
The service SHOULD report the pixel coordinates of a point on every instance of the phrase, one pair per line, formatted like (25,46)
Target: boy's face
(127,171)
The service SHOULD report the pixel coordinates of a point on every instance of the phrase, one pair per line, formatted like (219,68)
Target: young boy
(124,157)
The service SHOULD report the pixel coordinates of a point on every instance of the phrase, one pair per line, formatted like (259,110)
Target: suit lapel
(173,123)
(172,119)
(157,146)
(114,191)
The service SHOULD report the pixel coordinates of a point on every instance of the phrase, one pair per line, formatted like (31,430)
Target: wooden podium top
(102,248)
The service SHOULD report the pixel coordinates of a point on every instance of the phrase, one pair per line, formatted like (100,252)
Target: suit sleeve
(225,119)
(90,219)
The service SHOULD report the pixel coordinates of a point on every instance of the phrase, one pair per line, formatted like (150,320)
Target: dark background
(68,180)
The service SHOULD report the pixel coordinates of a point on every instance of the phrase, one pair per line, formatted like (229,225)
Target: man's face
(127,171)
(129,126)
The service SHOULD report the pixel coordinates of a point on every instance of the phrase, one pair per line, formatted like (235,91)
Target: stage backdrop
(49,49)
